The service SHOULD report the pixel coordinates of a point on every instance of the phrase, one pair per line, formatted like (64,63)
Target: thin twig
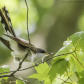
(78,61)
(45,61)
(65,81)
(31,66)
(77,75)
(20,64)
(12,74)
(24,80)
(72,80)
(41,82)
(76,47)
(28,49)
(40,62)
(5,76)
(27,25)
(62,80)
(69,76)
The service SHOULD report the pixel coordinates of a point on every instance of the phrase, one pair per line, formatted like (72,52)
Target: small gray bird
(18,46)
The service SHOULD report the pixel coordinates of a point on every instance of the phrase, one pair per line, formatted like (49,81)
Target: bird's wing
(6,21)
(22,42)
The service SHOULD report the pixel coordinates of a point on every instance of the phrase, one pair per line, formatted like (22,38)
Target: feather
(6,21)
(22,42)
(5,42)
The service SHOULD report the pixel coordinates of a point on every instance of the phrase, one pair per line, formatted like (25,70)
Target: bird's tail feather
(5,42)
(6,21)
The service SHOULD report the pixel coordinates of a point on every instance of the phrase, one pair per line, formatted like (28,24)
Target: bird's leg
(17,59)
(42,82)
(36,64)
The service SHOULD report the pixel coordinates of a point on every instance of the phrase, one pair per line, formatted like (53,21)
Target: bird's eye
(42,51)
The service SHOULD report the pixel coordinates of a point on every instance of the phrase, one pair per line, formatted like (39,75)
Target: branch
(45,61)
(78,61)
(18,69)
(5,76)
(24,80)
(27,25)
(20,64)
(65,81)
(62,80)
(40,62)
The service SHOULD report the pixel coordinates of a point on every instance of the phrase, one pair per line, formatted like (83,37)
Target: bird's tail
(6,21)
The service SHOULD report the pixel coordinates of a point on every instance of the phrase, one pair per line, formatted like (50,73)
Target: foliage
(70,62)
(4,68)
(19,82)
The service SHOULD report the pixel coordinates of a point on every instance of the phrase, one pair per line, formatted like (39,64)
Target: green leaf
(6,78)
(20,82)
(77,64)
(0,80)
(81,77)
(59,67)
(40,77)
(70,73)
(75,37)
(42,72)
(47,81)
(4,68)
(42,68)
(81,73)
(78,38)
(81,80)
(67,47)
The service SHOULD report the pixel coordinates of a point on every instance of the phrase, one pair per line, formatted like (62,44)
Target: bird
(19,47)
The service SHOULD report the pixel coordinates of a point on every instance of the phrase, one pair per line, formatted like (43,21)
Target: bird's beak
(47,53)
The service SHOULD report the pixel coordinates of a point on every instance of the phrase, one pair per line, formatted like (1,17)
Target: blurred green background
(50,23)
